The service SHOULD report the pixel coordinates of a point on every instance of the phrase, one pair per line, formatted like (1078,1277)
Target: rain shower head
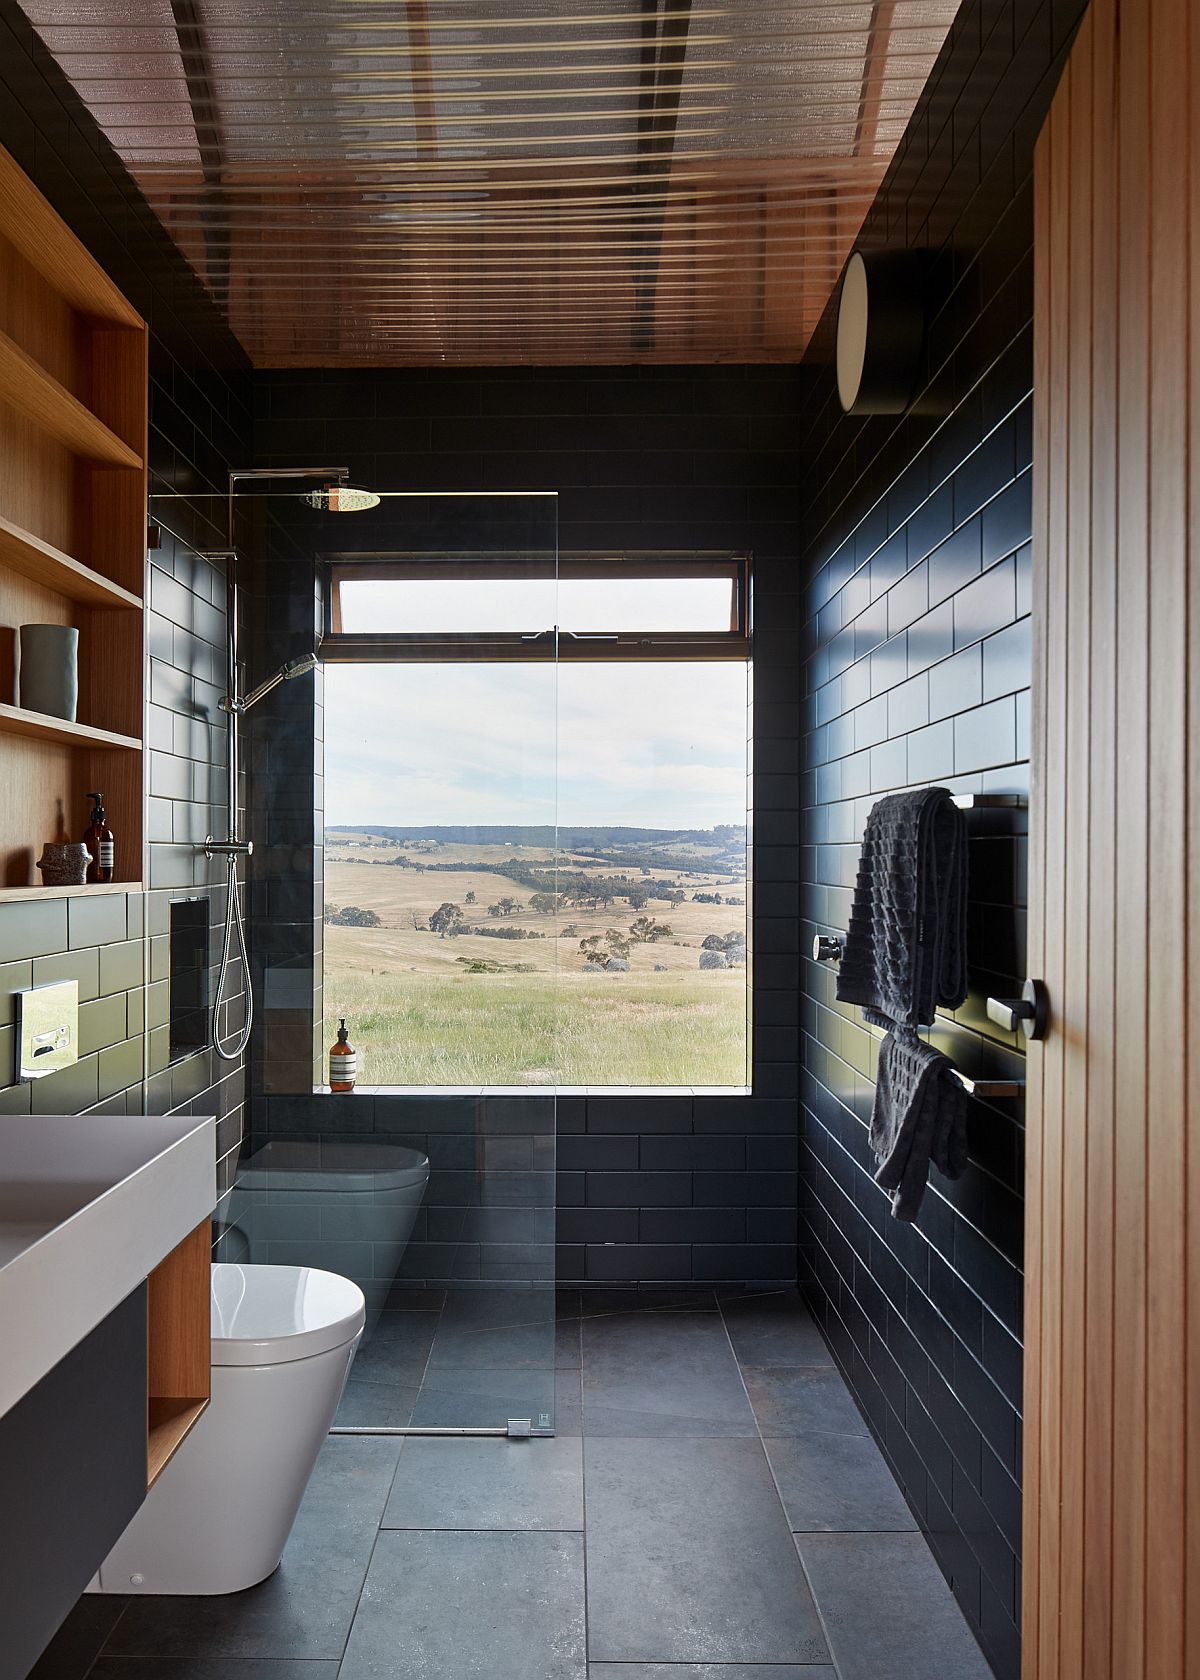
(300,666)
(340,498)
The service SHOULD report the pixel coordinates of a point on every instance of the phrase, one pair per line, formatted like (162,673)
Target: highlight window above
(585,607)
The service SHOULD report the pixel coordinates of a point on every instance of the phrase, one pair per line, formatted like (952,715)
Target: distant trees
(645,930)
(544,903)
(503,907)
(706,898)
(446,921)
(350,915)
(470,898)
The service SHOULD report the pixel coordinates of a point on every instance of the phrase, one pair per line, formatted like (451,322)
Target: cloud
(655,745)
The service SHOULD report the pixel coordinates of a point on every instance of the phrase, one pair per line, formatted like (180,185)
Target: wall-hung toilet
(217,1519)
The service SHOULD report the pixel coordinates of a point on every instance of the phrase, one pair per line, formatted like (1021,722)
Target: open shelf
(47,244)
(178,1346)
(94,889)
(14,720)
(27,387)
(42,563)
(168,1424)
(73,431)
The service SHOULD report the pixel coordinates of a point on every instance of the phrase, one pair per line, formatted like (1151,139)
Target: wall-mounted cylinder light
(880,328)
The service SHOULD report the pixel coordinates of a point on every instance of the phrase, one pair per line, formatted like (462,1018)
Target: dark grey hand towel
(906,947)
(920,1116)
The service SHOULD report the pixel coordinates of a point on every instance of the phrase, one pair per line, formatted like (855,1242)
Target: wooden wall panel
(1113,1281)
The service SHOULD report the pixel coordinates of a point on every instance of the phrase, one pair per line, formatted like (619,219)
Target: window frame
(458,647)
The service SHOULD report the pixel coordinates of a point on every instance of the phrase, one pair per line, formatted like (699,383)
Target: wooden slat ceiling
(467,181)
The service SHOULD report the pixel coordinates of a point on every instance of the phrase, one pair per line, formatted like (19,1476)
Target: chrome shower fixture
(300,666)
(341,498)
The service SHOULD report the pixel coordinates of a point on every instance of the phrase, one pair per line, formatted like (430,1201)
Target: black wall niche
(200,421)
(915,642)
(649,1189)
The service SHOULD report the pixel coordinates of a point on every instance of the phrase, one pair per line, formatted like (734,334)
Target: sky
(644,745)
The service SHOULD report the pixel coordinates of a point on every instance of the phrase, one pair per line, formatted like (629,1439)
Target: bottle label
(107,848)
(343,1070)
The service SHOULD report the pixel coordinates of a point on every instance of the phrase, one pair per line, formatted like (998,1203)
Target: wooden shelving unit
(179,1352)
(73,396)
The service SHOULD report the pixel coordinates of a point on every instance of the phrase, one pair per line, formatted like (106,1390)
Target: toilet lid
(271,1315)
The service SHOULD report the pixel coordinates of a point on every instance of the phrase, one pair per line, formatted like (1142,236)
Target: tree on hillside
(605,950)
(446,921)
(646,930)
(675,896)
(470,899)
(544,903)
(506,906)
(420,925)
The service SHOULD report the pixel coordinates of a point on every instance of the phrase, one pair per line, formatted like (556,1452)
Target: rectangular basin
(89,1205)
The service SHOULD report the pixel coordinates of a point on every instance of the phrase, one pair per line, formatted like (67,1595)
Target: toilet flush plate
(48,1029)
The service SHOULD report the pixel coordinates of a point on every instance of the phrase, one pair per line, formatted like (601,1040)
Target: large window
(536,867)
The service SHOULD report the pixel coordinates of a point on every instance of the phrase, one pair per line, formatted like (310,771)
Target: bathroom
(617,1374)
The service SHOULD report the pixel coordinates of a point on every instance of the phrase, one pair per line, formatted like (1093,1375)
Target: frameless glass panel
(376,796)
(475,605)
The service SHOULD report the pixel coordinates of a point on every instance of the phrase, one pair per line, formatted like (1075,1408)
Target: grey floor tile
(710,1671)
(485,1484)
(597,1302)
(888,1608)
(661,1373)
(690,1559)
(774,1330)
(397,1350)
(836,1484)
(568,1403)
(74,1648)
(802,1400)
(495,1327)
(461,1397)
(384,1405)
(306,1607)
(212,1668)
(568,1346)
(440,1606)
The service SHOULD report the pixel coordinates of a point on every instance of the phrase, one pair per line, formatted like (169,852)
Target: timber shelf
(179,1347)
(93,889)
(41,562)
(73,428)
(14,720)
(35,394)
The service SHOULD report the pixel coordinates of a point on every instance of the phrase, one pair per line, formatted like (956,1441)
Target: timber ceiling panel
(470,181)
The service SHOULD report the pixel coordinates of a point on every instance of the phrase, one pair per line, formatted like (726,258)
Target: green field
(525,1029)
(418,1017)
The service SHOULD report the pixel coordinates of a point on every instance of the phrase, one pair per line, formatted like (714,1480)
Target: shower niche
(188,952)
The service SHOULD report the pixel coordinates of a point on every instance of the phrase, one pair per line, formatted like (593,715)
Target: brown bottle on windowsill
(99,842)
(343,1062)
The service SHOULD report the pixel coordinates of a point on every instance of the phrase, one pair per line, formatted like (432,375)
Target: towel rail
(990,1087)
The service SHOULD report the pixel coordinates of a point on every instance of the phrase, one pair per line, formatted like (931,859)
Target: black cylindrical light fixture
(880,328)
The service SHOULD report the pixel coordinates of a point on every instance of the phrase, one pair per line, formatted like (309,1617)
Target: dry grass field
(420,1017)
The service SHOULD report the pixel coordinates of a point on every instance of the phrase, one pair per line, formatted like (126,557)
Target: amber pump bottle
(343,1062)
(99,842)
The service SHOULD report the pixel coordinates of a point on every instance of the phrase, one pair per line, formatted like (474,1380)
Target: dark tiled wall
(916,641)
(649,1188)
(199,422)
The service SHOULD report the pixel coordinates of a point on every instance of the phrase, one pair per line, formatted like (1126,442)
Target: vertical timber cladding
(1112,1389)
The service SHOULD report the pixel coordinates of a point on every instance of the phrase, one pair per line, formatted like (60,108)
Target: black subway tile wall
(915,638)
(650,1188)
(116,947)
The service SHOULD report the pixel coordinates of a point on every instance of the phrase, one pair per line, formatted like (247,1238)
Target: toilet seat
(273,1315)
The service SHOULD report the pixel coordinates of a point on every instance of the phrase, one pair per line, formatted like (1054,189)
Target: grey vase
(50,669)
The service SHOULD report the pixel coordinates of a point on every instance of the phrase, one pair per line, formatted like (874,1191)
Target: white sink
(89,1205)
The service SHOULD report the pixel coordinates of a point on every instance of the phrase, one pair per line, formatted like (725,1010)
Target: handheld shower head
(300,666)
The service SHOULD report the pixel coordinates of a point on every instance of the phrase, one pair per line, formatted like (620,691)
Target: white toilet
(217,1519)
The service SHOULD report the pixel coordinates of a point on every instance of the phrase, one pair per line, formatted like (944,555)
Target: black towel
(920,1116)
(906,950)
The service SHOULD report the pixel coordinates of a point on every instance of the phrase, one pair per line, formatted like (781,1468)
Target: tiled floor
(712,1508)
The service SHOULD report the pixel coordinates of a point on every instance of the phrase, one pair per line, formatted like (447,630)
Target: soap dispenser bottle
(343,1062)
(99,842)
